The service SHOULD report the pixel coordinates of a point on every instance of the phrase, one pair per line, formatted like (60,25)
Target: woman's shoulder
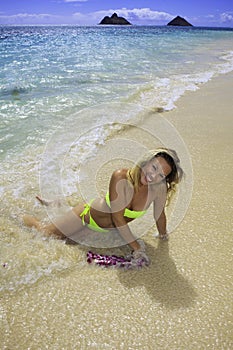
(120,174)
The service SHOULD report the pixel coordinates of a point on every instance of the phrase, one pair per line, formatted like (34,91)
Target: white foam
(19,280)
(227,66)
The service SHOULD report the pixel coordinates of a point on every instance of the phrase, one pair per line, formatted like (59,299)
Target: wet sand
(184,299)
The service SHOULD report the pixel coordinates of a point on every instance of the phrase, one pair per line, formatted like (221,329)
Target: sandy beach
(184,299)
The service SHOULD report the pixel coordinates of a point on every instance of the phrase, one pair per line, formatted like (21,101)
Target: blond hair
(171,180)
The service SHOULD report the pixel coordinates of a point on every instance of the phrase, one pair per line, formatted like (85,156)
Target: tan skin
(152,189)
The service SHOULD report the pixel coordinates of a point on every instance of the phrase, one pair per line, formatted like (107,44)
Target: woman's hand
(140,257)
(140,254)
(164,236)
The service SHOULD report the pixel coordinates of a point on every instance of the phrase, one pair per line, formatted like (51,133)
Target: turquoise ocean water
(54,76)
(49,73)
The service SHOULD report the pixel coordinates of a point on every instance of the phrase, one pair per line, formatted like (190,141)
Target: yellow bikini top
(132,214)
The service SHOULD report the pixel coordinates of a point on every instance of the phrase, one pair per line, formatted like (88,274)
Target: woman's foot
(47,203)
(43,201)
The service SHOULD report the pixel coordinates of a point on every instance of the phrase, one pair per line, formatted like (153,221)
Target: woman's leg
(48,230)
(64,227)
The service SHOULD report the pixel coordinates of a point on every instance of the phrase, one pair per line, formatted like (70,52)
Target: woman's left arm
(161,222)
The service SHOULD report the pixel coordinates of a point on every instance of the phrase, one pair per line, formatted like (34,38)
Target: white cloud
(147,14)
(226,17)
(29,18)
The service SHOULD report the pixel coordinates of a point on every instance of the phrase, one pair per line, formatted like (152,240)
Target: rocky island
(179,21)
(114,19)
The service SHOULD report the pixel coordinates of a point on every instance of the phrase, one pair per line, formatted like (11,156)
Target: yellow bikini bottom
(92,224)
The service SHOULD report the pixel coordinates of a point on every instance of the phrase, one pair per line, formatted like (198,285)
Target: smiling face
(155,171)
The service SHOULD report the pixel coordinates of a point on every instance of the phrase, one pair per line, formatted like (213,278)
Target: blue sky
(139,12)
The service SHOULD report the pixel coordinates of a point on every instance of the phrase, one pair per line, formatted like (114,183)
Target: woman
(131,191)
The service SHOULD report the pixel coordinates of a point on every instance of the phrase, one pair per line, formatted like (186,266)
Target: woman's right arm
(159,213)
